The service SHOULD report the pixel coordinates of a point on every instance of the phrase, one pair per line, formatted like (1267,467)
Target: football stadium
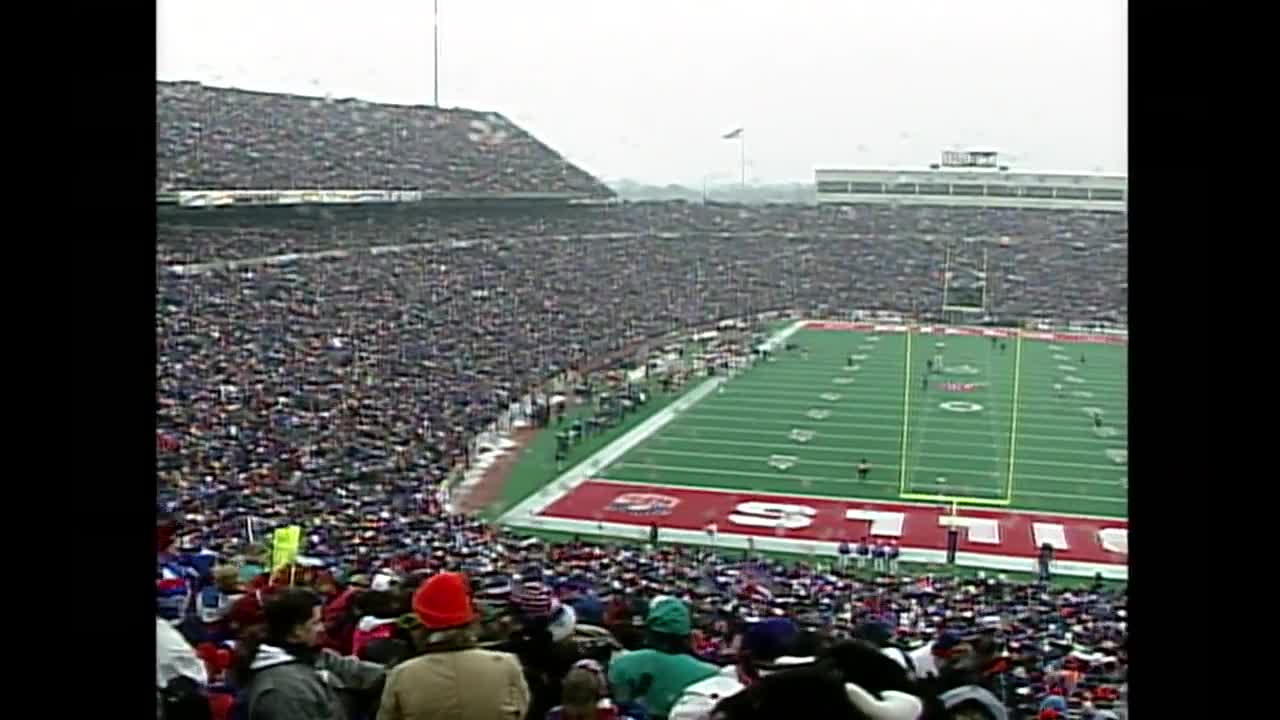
(1003,438)
(431,395)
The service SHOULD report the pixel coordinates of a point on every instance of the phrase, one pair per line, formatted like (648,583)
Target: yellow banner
(285,544)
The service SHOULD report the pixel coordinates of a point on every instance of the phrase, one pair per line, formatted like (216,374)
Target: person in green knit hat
(656,676)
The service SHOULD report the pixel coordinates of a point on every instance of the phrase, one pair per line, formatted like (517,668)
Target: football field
(1010,434)
(803,422)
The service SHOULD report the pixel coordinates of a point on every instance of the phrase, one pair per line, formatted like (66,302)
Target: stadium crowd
(227,139)
(339,392)
(1041,651)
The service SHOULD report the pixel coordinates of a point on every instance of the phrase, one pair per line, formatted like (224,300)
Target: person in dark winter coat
(851,680)
(283,673)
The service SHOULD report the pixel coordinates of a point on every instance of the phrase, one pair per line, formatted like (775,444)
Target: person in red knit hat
(452,677)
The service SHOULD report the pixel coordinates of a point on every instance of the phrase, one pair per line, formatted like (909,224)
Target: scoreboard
(975,158)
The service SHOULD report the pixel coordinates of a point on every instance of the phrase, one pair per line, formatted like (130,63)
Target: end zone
(993,539)
(1069,337)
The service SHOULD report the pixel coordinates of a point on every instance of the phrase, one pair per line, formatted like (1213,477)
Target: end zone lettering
(993,532)
(1063,337)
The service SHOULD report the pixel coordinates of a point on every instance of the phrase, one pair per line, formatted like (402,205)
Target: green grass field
(1017,432)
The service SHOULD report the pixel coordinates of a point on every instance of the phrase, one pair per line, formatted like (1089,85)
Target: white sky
(643,89)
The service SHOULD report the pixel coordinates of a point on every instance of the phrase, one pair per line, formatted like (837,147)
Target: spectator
(878,632)
(283,673)
(585,695)
(762,645)
(544,623)
(180,676)
(452,678)
(379,612)
(970,702)
(930,659)
(656,676)
(214,602)
(851,680)
(173,578)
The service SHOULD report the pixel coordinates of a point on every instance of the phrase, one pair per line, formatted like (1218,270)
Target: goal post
(964,284)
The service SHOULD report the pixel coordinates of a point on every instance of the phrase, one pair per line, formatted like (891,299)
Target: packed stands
(211,138)
(339,389)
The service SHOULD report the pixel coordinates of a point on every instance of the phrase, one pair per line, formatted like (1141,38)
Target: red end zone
(990,532)
(969,331)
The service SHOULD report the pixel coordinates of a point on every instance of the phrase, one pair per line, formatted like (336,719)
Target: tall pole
(985,282)
(742,158)
(435,43)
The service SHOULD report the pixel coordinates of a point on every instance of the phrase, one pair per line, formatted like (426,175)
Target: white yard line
(699,432)
(526,513)
(811,447)
(737,400)
(611,453)
(829,423)
(788,475)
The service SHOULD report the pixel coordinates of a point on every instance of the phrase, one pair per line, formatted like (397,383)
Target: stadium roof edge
(983,171)
(334,99)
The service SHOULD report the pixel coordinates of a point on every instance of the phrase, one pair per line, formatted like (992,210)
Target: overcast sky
(644,89)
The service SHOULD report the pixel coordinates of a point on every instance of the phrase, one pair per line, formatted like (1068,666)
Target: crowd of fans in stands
(226,139)
(1036,649)
(339,392)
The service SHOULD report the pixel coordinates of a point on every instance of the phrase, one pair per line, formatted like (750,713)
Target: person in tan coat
(453,679)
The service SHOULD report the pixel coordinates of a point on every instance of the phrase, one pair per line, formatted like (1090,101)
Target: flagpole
(435,50)
(742,157)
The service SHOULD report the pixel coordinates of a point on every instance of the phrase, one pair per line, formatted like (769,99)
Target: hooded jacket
(285,687)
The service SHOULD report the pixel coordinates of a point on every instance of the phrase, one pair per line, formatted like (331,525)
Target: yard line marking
(877,425)
(852,401)
(737,402)
(668,435)
(1032,378)
(826,463)
(814,478)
